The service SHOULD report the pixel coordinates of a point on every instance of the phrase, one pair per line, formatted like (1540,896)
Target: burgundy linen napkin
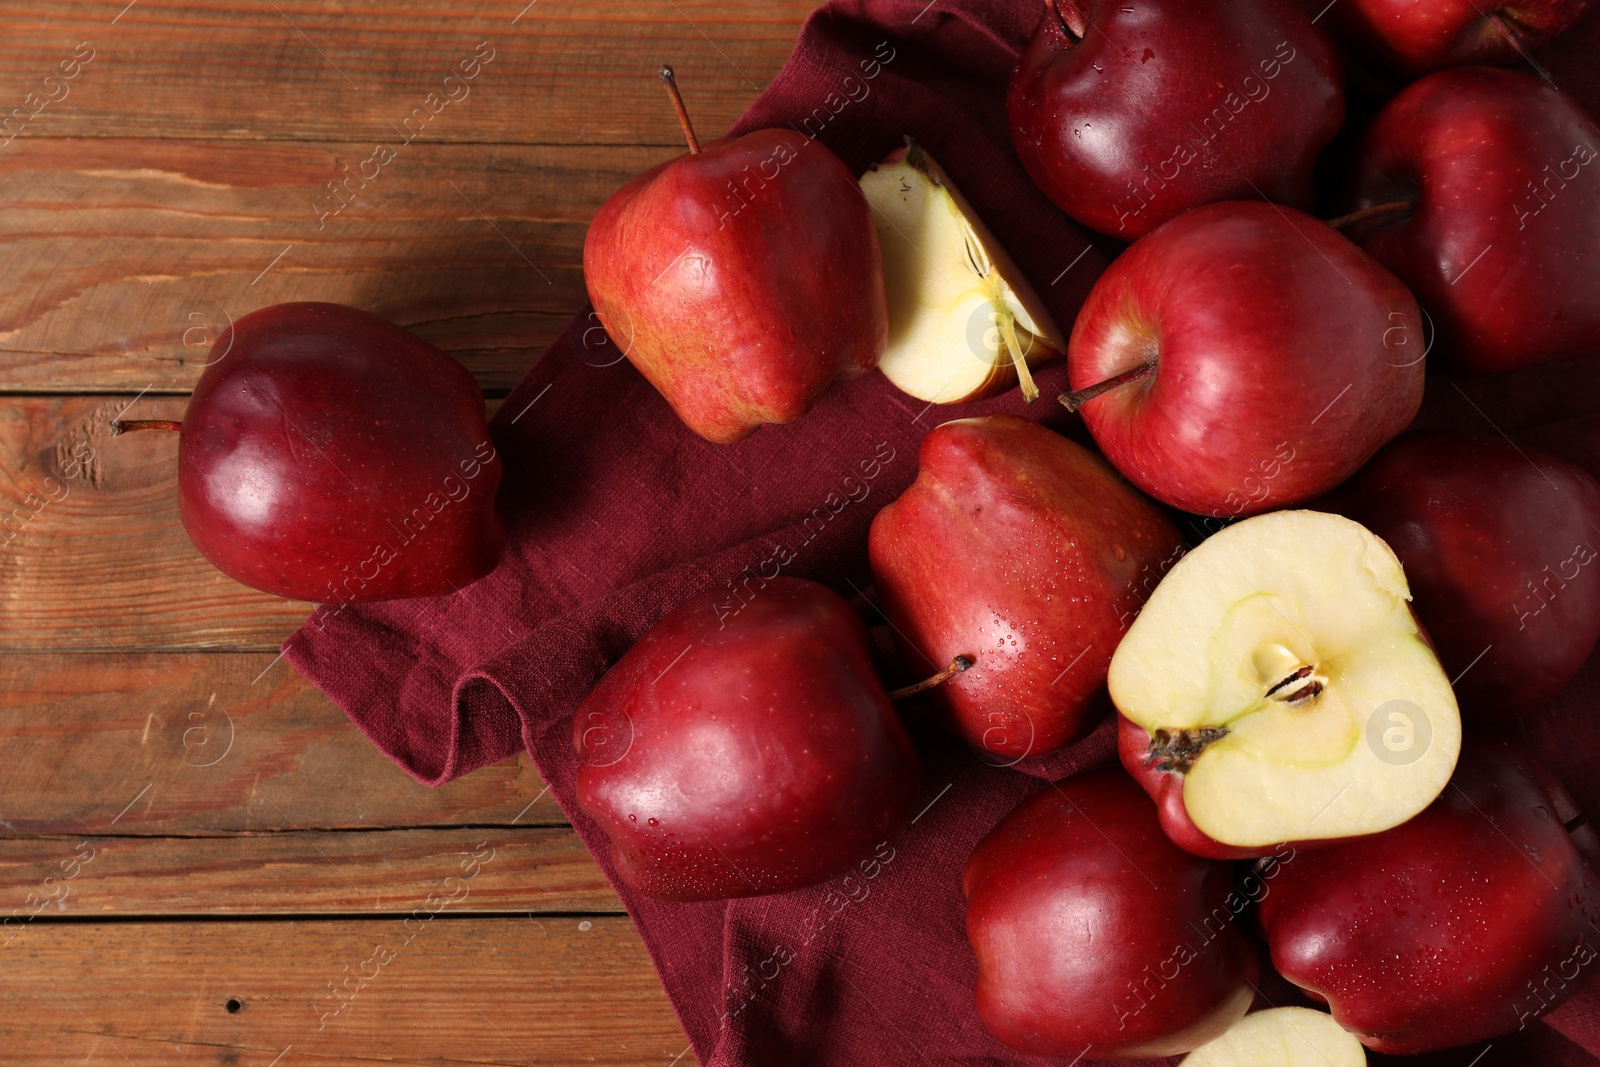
(618,513)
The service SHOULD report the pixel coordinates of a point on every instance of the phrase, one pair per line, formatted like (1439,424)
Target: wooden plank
(332,70)
(122,260)
(215,744)
(294,873)
(481,991)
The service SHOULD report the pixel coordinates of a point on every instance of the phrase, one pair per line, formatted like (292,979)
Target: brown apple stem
(1394,207)
(1008,330)
(1078,397)
(122,426)
(957,665)
(1177,750)
(1072,17)
(671,83)
(1577,822)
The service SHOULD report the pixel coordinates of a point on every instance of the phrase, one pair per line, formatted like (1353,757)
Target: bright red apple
(1244,357)
(1495,215)
(1129,115)
(1466,923)
(1498,543)
(1027,553)
(741,279)
(330,455)
(744,748)
(1097,938)
(1416,36)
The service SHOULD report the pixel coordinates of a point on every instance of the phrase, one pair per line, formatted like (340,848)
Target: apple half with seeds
(963,321)
(1282,1037)
(1277,688)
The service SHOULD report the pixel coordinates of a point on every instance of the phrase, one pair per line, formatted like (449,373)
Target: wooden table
(205,862)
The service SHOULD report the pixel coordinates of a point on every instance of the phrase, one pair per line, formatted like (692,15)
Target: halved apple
(963,322)
(1277,688)
(1281,1037)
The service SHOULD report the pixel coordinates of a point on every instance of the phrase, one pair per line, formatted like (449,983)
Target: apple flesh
(963,322)
(1026,552)
(1504,232)
(1417,36)
(744,749)
(1282,1037)
(1129,115)
(1243,358)
(1497,541)
(1095,937)
(1276,688)
(1467,922)
(740,279)
(329,455)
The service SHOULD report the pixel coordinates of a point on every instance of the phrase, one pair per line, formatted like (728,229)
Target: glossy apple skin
(1285,357)
(1499,547)
(329,455)
(1196,101)
(1027,552)
(1458,926)
(1092,929)
(1418,36)
(736,751)
(741,281)
(1465,144)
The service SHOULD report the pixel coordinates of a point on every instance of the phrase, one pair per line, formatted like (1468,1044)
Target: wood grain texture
(566,71)
(122,260)
(292,872)
(551,991)
(136,745)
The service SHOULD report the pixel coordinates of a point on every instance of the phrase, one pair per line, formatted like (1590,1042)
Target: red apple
(1028,554)
(329,455)
(744,748)
(741,279)
(1497,215)
(1416,36)
(1243,358)
(1129,115)
(1497,542)
(1096,938)
(1464,924)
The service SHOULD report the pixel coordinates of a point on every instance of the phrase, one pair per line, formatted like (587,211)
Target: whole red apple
(1027,553)
(330,455)
(1243,358)
(741,279)
(1497,542)
(1416,36)
(1502,234)
(1096,937)
(1463,924)
(744,748)
(1129,115)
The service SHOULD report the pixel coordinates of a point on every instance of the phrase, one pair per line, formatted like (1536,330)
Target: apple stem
(1070,12)
(671,83)
(1394,207)
(122,426)
(1008,330)
(957,665)
(1078,397)
(1577,822)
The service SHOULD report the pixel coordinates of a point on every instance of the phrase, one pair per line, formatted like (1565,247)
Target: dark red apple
(741,279)
(1497,541)
(744,748)
(1463,924)
(1416,36)
(1027,553)
(1129,115)
(1243,358)
(1503,234)
(1096,937)
(329,455)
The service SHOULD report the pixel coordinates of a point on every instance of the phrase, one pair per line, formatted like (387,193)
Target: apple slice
(963,322)
(1282,1037)
(1277,688)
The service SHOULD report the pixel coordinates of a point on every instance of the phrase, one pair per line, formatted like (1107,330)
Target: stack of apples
(1289,692)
